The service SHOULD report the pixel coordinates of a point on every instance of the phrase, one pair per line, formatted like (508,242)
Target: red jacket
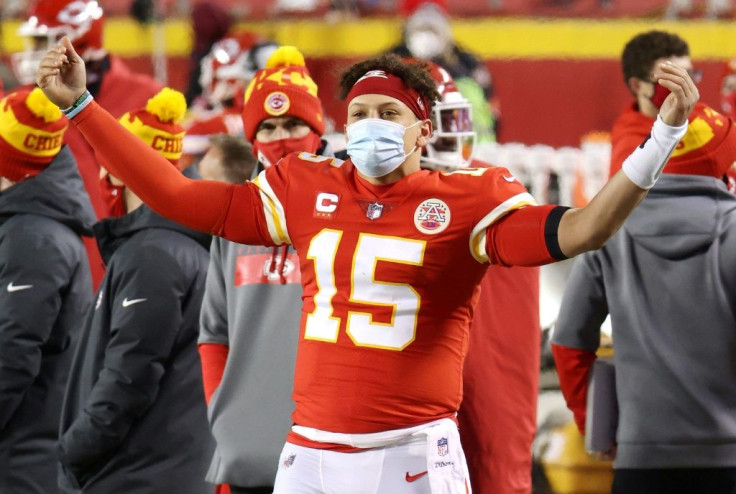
(501,379)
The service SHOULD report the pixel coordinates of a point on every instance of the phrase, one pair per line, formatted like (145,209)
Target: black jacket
(45,289)
(134,417)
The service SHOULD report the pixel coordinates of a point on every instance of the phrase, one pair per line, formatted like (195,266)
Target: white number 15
(365,289)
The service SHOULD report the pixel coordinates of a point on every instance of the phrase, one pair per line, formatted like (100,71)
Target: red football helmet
(453,141)
(230,65)
(48,22)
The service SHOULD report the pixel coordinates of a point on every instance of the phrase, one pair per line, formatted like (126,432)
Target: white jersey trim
(273,211)
(477,242)
(368,440)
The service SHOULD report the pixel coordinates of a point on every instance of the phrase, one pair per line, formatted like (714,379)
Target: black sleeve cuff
(551,226)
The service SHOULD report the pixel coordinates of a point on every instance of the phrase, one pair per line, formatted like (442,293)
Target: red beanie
(283,88)
(408,7)
(158,123)
(31,133)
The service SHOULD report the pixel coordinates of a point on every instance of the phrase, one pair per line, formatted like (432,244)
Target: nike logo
(412,478)
(510,178)
(128,303)
(16,288)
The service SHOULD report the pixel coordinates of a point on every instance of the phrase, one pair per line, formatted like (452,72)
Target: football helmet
(48,22)
(230,65)
(453,140)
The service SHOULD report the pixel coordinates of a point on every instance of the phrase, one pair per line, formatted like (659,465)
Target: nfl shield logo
(289,461)
(374,211)
(442,449)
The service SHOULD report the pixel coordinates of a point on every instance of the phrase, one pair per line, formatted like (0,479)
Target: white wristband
(645,164)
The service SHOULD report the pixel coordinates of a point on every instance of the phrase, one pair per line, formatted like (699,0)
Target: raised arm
(199,204)
(588,228)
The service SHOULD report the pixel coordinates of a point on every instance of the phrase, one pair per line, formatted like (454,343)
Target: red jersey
(390,276)
(389,273)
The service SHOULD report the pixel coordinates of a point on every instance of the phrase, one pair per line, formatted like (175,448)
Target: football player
(391,257)
(225,73)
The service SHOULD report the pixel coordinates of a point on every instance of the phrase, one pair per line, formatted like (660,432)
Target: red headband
(380,82)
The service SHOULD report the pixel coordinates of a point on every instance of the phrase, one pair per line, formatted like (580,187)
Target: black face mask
(96,71)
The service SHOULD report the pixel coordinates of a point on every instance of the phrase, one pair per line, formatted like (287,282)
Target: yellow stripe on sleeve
(477,241)
(273,210)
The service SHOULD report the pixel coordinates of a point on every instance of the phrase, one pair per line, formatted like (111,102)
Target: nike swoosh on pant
(412,478)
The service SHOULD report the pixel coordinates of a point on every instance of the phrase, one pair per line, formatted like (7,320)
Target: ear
(634,84)
(425,133)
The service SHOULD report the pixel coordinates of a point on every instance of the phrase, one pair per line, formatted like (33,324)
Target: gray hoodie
(668,279)
(247,308)
(45,288)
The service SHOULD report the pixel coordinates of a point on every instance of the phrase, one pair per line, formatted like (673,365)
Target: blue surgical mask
(376,146)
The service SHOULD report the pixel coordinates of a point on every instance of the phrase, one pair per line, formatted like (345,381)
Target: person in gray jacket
(134,417)
(668,281)
(251,306)
(45,287)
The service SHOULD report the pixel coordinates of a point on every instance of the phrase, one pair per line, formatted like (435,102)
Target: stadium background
(554,62)
(556,72)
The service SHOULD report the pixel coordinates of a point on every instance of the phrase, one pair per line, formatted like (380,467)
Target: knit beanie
(158,123)
(283,88)
(31,133)
(409,7)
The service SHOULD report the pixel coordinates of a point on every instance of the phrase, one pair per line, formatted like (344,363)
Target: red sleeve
(526,237)
(232,211)
(573,368)
(213,357)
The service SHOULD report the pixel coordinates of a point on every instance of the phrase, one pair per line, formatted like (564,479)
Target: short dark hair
(643,50)
(238,160)
(414,74)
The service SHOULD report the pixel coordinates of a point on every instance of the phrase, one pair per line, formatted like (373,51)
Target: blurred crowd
(341,9)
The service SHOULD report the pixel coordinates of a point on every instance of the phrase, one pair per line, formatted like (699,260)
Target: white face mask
(376,146)
(425,44)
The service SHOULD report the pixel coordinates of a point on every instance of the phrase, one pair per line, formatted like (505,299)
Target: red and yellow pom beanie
(31,133)
(158,124)
(284,87)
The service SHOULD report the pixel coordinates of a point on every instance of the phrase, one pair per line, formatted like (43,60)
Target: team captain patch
(277,104)
(432,216)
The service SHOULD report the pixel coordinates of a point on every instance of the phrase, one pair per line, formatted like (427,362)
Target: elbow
(599,238)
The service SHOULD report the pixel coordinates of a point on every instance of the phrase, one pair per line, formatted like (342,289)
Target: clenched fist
(684,94)
(61,74)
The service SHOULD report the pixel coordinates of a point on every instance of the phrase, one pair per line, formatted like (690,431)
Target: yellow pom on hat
(158,123)
(286,56)
(42,107)
(169,105)
(31,133)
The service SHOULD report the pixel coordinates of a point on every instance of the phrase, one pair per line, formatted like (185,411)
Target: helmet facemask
(452,144)
(228,69)
(80,20)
